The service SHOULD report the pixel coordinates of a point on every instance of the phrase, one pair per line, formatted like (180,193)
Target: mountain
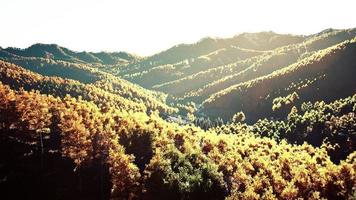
(72,148)
(184,68)
(102,88)
(278,59)
(256,65)
(259,41)
(256,116)
(325,75)
(203,71)
(56,52)
(211,65)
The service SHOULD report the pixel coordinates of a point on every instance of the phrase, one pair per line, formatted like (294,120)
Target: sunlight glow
(147,27)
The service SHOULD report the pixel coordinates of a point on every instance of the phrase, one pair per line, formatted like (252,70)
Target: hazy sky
(148,26)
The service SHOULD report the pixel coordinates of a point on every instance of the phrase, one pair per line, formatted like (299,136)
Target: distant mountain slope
(195,81)
(280,58)
(242,58)
(49,67)
(258,41)
(326,75)
(122,95)
(196,72)
(17,78)
(56,52)
(172,72)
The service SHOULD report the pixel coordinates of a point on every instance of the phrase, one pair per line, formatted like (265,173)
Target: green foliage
(176,161)
(255,97)
(238,117)
(283,101)
(315,124)
(53,51)
(102,133)
(109,93)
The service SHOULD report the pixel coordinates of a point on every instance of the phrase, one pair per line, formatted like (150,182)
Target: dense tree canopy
(256,116)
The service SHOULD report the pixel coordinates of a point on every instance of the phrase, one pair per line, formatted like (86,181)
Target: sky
(146,27)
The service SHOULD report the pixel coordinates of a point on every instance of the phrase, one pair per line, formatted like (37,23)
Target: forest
(254,116)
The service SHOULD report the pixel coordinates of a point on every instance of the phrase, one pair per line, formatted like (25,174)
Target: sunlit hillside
(255,116)
(325,75)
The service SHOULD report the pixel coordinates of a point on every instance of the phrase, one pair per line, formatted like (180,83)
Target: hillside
(280,58)
(247,69)
(317,124)
(256,116)
(131,155)
(326,75)
(237,60)
(171,72)
(125,94)
(56,52)
(258,41)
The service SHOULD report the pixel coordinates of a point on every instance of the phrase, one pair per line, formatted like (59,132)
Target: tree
(238,117)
